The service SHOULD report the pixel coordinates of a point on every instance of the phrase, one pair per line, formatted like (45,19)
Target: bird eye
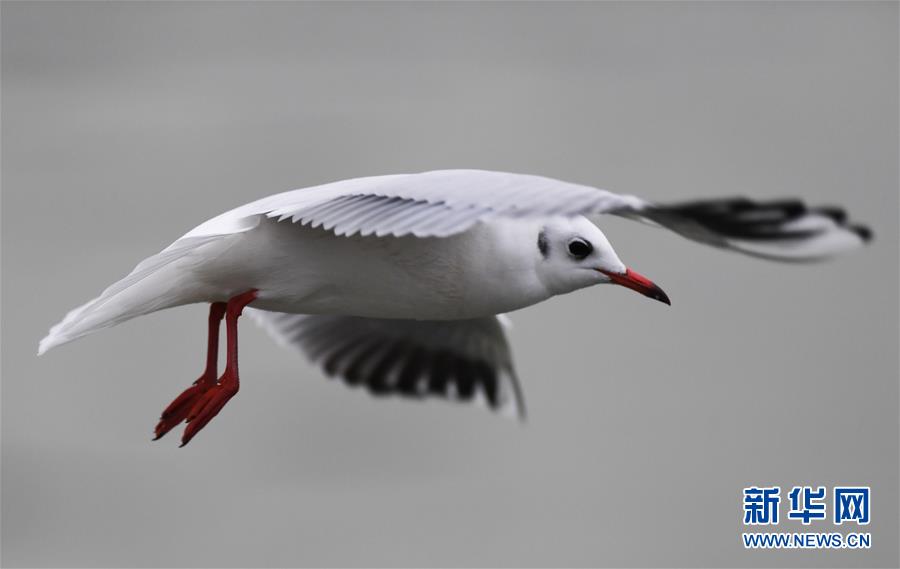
(579,248)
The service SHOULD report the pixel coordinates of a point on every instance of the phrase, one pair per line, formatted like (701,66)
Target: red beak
(638,282)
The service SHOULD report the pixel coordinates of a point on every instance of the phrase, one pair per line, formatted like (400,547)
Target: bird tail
(156,283)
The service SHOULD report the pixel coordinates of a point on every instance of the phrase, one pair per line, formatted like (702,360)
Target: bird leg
(201,402)
(178,410)
(212,401)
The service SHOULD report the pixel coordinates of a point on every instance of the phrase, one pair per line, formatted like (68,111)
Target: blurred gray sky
(125,124)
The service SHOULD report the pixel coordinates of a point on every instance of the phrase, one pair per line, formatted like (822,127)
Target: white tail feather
(156,283)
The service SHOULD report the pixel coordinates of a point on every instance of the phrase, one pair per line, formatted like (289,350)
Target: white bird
(399,282)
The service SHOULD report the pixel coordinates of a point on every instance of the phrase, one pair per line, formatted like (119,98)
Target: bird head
(574,253)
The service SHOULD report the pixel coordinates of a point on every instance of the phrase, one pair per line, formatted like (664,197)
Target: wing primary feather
(396,212)
(465,360)
(315,215)
(376,212)
(388,225)
(339,215)
(342,221)
(405,226)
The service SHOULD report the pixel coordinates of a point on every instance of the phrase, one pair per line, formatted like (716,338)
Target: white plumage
(430,204)
(410,258)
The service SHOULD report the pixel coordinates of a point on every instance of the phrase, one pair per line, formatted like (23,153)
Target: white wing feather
(446,202)
(430,204)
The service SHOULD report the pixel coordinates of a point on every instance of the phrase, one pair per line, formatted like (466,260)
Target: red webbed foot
(179,409)
(202,401)
(209,404)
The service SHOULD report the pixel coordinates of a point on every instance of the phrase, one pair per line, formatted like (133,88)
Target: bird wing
(430,204)
(462,360)
(780,230)
(446,202)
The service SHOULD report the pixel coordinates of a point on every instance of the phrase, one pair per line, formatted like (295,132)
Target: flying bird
(400,283)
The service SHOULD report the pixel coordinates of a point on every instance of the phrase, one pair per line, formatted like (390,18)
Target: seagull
(400,283)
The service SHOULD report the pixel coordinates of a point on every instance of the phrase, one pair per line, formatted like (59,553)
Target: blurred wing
(462,360)
(784,230)
(447,202)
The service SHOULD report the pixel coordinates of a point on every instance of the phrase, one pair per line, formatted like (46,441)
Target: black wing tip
(839,216)
(836,213)
(406,374)
(743,218)
(864,232)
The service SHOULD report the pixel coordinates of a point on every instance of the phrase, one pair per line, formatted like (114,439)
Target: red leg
(212,401)
(178,410)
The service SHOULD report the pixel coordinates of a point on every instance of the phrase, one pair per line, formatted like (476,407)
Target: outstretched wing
(447,202)
(782,230)
(462,360)
(429,204)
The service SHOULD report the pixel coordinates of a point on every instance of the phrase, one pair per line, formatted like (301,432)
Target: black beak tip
(659,295)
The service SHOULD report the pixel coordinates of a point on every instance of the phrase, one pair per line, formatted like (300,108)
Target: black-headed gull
(399,282)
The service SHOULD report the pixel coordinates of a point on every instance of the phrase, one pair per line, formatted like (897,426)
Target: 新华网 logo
(807,505)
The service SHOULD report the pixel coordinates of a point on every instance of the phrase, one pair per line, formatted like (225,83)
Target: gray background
(126,124)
